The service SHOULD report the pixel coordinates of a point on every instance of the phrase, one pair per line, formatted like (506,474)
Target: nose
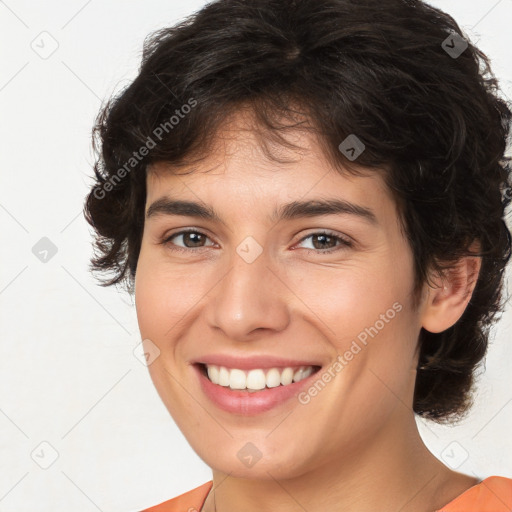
(250,296)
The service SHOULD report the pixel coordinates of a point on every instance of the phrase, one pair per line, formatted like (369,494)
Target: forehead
(246,164)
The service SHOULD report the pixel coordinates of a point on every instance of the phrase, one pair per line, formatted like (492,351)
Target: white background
(68,376)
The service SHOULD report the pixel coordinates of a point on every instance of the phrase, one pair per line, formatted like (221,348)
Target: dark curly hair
(399,74)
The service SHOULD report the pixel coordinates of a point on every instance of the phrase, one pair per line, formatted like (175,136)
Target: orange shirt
(493,494)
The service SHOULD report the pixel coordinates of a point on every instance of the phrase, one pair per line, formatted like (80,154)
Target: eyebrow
(289,211)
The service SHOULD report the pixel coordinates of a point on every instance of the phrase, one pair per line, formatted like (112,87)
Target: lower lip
(249,403)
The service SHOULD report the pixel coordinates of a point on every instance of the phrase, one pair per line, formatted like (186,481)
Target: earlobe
(448,297)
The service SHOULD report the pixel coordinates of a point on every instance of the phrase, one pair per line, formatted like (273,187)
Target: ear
(450,293)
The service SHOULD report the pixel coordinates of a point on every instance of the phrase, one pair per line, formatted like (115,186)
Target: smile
(259,386)
(258,378)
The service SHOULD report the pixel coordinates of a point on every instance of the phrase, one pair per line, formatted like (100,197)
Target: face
(250,289)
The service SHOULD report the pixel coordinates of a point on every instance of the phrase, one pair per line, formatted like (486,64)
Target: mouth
(251,391)
(256,379)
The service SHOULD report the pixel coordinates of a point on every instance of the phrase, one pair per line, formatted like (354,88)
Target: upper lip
(253,362)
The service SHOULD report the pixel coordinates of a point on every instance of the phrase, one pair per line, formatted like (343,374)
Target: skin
(355,445)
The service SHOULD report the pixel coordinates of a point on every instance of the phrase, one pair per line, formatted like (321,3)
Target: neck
(395,471)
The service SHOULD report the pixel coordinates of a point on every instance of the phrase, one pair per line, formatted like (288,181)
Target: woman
(307,199)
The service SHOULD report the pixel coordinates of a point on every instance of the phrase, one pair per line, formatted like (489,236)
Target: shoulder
(493,494)
(191,501)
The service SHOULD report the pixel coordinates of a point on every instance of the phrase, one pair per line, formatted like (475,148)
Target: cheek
(150,302)
(164,295)
(160,306)
(351,298)
(364,312)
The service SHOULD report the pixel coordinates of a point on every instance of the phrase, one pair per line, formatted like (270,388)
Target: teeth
(256,379)
(273,378)
(302,373)
(237,379)
(223,377)
(213,374)
(287,376)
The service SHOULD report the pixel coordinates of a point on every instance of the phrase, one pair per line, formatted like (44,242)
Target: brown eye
(323,241)
(188,239)
(326,242)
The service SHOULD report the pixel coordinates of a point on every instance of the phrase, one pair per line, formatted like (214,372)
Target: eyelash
(344,242)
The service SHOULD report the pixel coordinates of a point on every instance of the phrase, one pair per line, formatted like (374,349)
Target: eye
(323,241)
(327,242)
(191,238)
